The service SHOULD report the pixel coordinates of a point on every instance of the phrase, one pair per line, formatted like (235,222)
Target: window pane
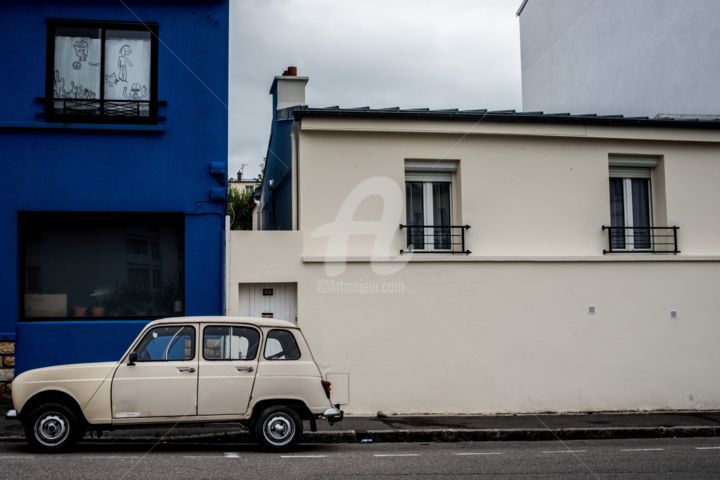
(127,69)
(89,265)
(441,214)
(415,214)
(617,213)
(641,212)
(281,345)
(230,343)
(172,343)
(76,74)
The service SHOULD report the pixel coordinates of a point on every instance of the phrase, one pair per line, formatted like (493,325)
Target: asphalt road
(691,458)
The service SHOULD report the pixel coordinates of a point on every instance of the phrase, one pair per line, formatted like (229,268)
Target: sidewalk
(436,428)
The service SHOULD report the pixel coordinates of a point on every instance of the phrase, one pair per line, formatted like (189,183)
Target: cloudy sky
(381,53)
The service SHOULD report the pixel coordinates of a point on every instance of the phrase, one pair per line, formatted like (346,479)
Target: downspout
(295,162)
(227,251)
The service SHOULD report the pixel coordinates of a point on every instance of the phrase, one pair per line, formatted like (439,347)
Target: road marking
(564,451)
(110,456)
(707,448)
(303,456)
(396,455)
(232,455)
(10,457)
(642,449)
(478,453)
(200,456)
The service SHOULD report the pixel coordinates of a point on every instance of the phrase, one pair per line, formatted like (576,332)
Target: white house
(482,262)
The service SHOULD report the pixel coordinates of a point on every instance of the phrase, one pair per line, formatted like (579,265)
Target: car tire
(52,428)
(278,428)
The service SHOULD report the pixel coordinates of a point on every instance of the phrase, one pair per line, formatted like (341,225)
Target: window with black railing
(435,239)
(642,239)
(101,72)
(631,226)
(429,202)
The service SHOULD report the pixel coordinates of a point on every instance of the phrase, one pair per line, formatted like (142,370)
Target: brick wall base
(7,370)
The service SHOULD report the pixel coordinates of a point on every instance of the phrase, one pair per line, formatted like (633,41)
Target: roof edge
(506,116)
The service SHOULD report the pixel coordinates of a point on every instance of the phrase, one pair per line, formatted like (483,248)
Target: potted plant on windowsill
(98,308)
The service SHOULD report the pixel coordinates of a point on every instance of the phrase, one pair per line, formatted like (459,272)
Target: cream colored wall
(524,192)
(692,178)
(488,337)
(507,328)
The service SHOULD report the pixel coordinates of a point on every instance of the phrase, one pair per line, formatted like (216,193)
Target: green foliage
(239,207)
(262,172)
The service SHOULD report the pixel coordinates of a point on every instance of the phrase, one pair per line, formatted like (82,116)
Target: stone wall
(7,370)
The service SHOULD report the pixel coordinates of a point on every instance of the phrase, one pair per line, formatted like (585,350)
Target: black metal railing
(70,107)
(642,240)
(435,239)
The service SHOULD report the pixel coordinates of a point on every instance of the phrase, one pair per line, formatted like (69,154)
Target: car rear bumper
(333,414)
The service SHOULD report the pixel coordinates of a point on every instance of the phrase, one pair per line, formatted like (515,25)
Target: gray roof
(508,116)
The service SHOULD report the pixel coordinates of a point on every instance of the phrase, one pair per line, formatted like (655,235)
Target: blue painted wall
(277,201)
(163,168)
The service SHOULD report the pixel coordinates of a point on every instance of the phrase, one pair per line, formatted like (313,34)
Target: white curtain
(77,67)
(127,65)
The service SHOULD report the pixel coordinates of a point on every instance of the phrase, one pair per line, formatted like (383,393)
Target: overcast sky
(381,53)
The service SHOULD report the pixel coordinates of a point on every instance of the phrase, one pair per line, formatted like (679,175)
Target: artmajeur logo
(382,230)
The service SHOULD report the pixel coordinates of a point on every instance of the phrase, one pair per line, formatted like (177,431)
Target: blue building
(113,136)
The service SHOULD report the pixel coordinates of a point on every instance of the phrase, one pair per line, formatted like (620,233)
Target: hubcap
(51,429)
(279,429)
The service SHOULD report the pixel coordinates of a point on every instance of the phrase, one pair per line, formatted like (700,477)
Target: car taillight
(327,386)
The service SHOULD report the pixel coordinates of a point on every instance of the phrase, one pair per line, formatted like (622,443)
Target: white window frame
(427,179)
(627,173)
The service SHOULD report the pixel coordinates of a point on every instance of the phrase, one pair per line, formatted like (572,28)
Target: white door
(162,382)
(271,300)
(227,369)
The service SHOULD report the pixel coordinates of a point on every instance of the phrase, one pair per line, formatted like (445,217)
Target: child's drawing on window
(111,80)
(58,85)
(81,51)
(136,92)
(124,62)
(75,91)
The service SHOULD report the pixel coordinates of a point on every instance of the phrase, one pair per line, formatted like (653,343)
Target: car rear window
(281,345)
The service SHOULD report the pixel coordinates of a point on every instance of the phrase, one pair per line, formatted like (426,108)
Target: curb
(524,434)
(427,435)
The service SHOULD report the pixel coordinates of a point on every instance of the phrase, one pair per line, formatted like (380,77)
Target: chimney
(288,90)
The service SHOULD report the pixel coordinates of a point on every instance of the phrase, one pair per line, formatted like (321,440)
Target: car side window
(281,345)
(167,344)
(230,343)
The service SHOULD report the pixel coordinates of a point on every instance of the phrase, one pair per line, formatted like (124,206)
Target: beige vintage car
(256,371)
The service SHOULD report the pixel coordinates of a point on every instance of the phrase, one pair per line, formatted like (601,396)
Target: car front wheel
(52,427)
(278,428)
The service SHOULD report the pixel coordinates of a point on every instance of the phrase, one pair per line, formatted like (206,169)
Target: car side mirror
(132,358)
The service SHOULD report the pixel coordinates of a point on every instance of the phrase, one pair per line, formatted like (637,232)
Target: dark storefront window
(85,266)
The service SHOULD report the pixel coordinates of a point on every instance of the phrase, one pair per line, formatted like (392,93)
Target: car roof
(257,321)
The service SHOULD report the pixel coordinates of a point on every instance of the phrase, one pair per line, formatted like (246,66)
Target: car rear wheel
(52,427)
(278,428)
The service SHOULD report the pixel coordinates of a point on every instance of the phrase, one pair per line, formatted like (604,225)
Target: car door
(162,382)
(228,362)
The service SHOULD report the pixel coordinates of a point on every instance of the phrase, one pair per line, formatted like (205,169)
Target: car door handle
(244,369)
(186,369)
